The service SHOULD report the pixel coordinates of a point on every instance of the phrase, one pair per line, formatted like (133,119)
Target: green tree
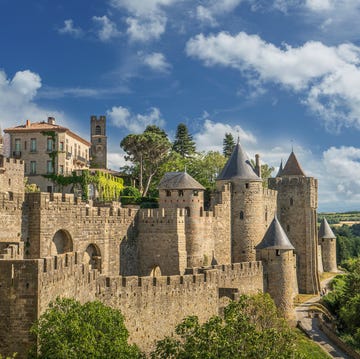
(147,151)
(228,145)
(265,171)
(251,328)
(184,144)
(206,168)
(70,330)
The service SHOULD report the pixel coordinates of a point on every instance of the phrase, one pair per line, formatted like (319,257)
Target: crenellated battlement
(60,201)
(57,268)
(294,181)
(269,193)
(11,162)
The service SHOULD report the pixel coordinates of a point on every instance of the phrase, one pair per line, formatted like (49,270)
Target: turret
(296,210)
(277,255)
(180,190)
(247,206)
(327,241)
(98,142)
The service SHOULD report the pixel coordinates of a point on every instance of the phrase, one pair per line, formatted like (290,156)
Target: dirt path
(311,326)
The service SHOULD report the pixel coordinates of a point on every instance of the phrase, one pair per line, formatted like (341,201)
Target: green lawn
(309,348)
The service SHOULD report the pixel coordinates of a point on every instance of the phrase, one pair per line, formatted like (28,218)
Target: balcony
(82,161)
(16,154)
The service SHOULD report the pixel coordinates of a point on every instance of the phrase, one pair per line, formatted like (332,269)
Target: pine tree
(228,145)
(183,144)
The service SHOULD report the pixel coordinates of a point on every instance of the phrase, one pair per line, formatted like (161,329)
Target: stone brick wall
(248,206)
(279,278)
(18,304)
(328,251)
(296,209)
(161,241)
(154,306)
(84,223)
(221,226)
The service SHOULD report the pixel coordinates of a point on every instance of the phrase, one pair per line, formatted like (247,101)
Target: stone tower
(278,258)
(180,190)
(327,241)
(247,208)
(296,209)
(98,142)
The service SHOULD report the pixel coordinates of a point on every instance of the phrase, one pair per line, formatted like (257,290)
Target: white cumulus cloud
(146,20)
(208,12)
(122,117)
(17,99)
(107,28)
(211,135)
(156,61)
(70,29)
(326,76)
(341,177)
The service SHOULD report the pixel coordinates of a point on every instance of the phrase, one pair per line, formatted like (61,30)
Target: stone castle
(159,265)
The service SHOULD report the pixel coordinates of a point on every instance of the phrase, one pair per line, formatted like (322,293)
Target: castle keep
(164,263)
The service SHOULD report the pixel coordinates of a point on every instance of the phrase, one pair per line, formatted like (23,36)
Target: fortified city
(164,263)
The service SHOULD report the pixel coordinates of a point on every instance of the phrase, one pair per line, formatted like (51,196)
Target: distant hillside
(349,218)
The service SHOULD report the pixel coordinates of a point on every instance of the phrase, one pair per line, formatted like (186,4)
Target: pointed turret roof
(292,167)
(280,169)
(179,180)
(238,166)
(325,231)
(275,237)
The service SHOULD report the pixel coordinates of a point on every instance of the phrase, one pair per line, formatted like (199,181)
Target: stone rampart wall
(84,223)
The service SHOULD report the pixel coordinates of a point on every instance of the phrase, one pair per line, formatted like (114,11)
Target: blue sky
(281,73)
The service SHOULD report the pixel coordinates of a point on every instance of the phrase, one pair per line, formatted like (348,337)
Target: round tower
(247,207)
(279,263)
(180,190)
(327,241)
(296,209)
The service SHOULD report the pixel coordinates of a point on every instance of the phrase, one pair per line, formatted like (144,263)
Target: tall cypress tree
(183,144)
(228,145)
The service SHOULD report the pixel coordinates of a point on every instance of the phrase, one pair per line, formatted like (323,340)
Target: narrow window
(98,130)
(288,228)
(33,145)
(17,145)
(61,146)
(49,167)
(99,140)
(266,216)
(11,196)
(49,189)
(168,193)
(246,185)
(180,193)
(278,252)
(291,202)
(241,215)
(32,167)
(49,144)
(195,192)
(61,169)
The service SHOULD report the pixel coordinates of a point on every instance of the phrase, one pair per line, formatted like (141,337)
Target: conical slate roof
(325,231)
(280,170)
(238,166)
(292,167)
(275,237)
(179,180)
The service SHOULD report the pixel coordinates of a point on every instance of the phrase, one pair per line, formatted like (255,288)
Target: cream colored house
(46,149)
